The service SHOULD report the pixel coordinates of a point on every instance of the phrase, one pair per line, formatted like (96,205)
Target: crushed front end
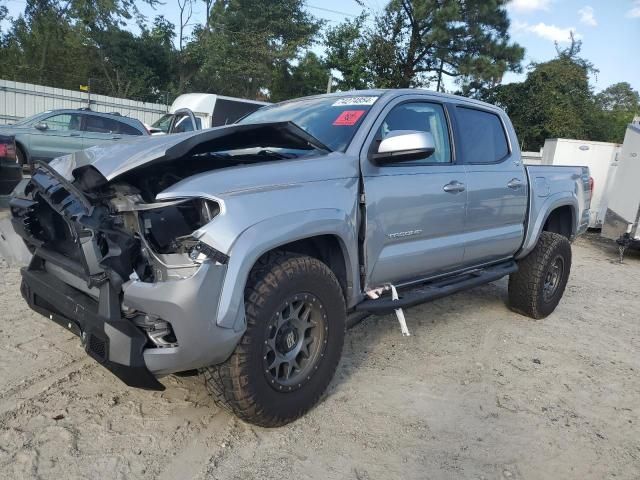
(123,272)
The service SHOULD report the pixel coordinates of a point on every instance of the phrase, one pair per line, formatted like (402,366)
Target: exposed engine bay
(111,223)
(97,229)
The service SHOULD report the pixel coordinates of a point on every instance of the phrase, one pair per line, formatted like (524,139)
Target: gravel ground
(476,392)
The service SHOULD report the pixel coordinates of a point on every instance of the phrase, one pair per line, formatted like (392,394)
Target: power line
(332,11)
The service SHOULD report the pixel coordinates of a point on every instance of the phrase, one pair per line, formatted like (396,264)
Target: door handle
(74,134)
(515,183)
(116,138)
(454,187)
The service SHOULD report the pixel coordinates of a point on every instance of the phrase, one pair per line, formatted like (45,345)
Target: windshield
(26,121)
(163,122)
(332,120)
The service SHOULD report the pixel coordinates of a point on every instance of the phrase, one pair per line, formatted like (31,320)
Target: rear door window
(96,124)
(126,129)
(481,136)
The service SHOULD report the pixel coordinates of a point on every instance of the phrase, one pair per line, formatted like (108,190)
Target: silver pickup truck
(244,251)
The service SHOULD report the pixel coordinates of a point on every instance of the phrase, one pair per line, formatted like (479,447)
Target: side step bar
(437,289)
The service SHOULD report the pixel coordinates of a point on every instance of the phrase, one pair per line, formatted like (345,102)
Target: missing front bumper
(113,342)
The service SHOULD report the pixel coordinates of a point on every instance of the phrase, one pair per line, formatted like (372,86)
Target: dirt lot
(476,392)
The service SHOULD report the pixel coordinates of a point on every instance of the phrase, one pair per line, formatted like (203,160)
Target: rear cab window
(227,112)
(481,136)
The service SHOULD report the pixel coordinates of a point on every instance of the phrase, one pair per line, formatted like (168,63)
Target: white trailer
(600,157)
(623,213)
(531,158)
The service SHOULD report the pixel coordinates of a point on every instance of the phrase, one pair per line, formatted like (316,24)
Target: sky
(609,30)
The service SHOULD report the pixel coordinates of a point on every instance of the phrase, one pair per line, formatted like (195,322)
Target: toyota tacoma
(242,252)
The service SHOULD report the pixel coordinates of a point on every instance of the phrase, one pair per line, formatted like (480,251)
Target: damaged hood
(122,157)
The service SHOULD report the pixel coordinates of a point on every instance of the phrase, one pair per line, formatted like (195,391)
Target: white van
(197,111)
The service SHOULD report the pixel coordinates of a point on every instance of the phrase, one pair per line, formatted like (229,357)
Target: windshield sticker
(348,117)
(351,101)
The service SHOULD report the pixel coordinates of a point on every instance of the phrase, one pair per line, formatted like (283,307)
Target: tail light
(8,150)
(592,185)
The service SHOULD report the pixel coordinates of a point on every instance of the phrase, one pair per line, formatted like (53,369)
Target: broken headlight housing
(167,226)
(166,231)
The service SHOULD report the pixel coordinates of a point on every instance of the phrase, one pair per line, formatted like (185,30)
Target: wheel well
(325,248)
(560,221)
(20,147)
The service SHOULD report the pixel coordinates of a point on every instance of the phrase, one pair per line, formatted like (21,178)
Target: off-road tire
(527,286)
(240,384)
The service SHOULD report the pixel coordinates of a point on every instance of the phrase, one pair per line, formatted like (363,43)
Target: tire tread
(228,383)
(526,284)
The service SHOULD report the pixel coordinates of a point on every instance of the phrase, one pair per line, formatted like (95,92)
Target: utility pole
(89,93)
(329,82)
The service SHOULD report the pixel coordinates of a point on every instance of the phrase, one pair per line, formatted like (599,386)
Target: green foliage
(64,44)
(261,49)
(415,43)
(616,107)
(347,52)
(247,42)
(309,77)
(556,101)
(619,97)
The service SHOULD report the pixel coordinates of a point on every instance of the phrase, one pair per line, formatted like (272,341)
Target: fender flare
(271,233)
(541,214)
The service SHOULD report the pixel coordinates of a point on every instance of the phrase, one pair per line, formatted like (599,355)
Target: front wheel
(295,313)
(537,287)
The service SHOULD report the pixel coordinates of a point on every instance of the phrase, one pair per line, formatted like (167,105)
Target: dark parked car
(59,132)
(10,171)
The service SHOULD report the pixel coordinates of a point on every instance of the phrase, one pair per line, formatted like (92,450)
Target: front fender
(539,211)
(276,231)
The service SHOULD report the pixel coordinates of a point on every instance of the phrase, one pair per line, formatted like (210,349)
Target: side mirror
(403,146)
(41,126)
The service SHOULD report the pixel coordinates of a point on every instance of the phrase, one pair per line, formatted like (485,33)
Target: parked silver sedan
(54,133)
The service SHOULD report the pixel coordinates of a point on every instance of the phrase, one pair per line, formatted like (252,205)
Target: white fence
(19,100)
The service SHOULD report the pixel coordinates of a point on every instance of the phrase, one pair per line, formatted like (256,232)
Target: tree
(617,105)
(554,101)
(619,97)
(3,13)
(41,46)
(347,51)
(417,43)
(247,41)
(308,77)
(55,42)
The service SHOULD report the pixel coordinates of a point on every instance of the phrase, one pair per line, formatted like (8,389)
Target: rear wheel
(537,287)
(21,158)
(295,331)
